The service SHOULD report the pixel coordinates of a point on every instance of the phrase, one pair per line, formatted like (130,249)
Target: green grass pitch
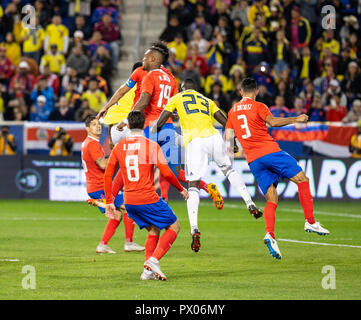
(59,240)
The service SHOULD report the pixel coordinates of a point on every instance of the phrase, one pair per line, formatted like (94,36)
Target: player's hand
(121,126)
(185,194)
(303,118)
(110,211)
(102,113)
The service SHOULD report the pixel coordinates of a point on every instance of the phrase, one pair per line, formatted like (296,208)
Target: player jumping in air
(167,141)
(137,156)
(202,141)
(268,163)
(94,164)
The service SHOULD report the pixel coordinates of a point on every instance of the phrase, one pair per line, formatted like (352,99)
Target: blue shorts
(274,166)
(158,214)
(166,138)
(118,201)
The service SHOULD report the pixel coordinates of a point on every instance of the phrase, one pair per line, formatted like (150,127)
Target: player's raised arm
(157,126)
(142,102)
(280,122)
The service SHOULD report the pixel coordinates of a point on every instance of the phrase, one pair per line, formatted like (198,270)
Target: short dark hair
(189,84)
(136,65)
(88,120)
(136,120)
(160,47)
(248,85)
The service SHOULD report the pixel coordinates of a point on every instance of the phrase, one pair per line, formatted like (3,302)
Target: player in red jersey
(247,121)
(137,156)
(94,164)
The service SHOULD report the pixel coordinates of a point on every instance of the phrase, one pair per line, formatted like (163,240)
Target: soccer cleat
(103,248)
(216,196)
(147,275)
(272,246)
(196,240)
(132,246)
(153,265)
(96,203)
(316,228)
(254,211)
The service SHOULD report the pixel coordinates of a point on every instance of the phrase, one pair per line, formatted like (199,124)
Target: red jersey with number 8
(247,119)
(161,86)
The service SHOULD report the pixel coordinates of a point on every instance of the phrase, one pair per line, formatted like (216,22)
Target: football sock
(110,229)
(236,182)
(192,205)
(164,243)
(150,245)
(182,178)
(164,187)
(128,227)
(306,200)
(270,217)
(117,184)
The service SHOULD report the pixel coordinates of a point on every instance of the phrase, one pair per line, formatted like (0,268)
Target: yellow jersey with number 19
(195,113)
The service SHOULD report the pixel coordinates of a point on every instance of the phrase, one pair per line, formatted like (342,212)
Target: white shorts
(117,135)
(200,150)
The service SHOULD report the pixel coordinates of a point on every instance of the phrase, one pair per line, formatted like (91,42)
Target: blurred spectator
(111,34)
(81,25)
(78,61)
(281,53)
(216,76)
(179,46)
(355,142)
(328,60)
(306,65)
(255,50)
(84,111)
(13,50)
(236,95)
(308,94)
(201,24)
(77,7)
(199,61)
(342,64)
(39,111)
(328,41)
(236,73)
(52,78)
(354,46)
(102,84)
(264,96)
(7,142)
(58,34)
(172,29)
(283,90)
(96,97)
(7,68)
(60,144)
(55,60)
(105,8)
(351,26)
(298,109)
(354,114)
(15,106)
(102,61)
(351,83)
(334,89)
(219,97)
(71,75)
(24,76)
(316,112)
(201,43)
(173,64)
(335,110)
(62,111)
(95,42)
(73,96)
(181,9)
(240,11)
(279,109)
(78,41)
(191,73)
(43,89)
(299,31)
(33,41)
(263,76)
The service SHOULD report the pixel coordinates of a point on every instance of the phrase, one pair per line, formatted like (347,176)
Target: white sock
(192,205)
(236,181)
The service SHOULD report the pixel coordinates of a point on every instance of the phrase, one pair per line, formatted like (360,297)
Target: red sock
(109,231)
(182,177)
(117,184)
(164,187)
(164,244)
(306,200)
(270,217)
(128,227)
(150,245)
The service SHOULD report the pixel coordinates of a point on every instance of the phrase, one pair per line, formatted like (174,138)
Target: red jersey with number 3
(91,150)
(161,86)
(137,157)
(248,119)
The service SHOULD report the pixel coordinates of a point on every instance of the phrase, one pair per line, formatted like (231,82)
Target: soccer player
(247,121)
(201,140)
(137,156)
(94,164)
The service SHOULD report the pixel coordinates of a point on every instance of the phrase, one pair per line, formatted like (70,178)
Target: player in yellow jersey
(202,141)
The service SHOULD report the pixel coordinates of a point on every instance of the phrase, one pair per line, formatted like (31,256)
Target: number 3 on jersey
(131,163)
(244,126)
(164,95)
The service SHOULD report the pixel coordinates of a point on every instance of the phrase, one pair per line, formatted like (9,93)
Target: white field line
(9,260)
(320,243)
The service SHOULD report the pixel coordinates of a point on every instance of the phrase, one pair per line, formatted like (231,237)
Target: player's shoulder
(139,72)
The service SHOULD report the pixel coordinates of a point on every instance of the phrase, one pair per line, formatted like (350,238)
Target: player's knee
(118,215)
(175,227)
(271,194)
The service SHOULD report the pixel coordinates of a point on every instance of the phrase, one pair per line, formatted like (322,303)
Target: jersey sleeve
(229,124)
(108,176)
(147,85)
(133,79)
(172,104)
(95,151)
(263,111)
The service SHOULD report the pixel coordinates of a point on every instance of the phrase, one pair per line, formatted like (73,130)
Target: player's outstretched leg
(109,231)
(306,200)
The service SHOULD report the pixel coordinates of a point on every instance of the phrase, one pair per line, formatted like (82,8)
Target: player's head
(93,126)
(136,120)
(188,84)
(136,65)
(249,87)
(155,56)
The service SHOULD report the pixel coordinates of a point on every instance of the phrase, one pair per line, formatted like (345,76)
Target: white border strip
(320,243)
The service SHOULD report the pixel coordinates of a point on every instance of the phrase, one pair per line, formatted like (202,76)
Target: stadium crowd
(61,67)
(300,66)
